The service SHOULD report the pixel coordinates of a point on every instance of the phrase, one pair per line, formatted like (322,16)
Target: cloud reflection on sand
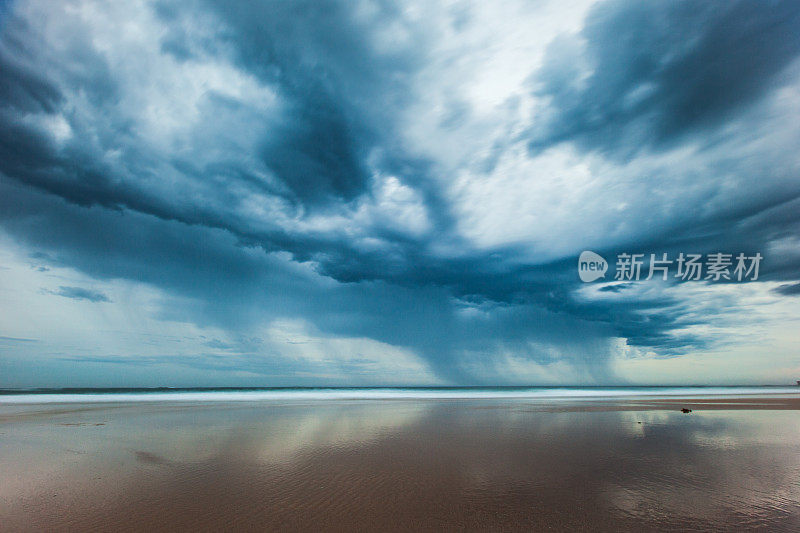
(393,465)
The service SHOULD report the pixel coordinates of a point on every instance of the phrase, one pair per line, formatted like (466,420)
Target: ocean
(236,394)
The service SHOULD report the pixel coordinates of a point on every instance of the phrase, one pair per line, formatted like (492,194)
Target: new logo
(591,266)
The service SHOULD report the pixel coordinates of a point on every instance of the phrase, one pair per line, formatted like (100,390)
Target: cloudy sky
(207,192)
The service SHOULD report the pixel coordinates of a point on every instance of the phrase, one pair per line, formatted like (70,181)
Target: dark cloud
(789,289)
(617,287)
(314,155)
(339,90)
(660,70)
(22,88)
(79,293)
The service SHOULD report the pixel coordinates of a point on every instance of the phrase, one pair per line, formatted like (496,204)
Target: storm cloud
(412,180)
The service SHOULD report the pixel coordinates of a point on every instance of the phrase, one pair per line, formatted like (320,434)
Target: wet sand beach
(636,464)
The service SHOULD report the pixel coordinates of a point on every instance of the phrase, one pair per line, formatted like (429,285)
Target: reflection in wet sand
(398,466)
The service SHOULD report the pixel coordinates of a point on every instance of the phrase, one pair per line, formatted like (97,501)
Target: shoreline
(778,401)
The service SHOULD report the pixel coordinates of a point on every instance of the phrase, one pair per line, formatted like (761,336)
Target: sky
(358,193)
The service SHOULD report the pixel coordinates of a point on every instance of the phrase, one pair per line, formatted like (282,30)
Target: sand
(616,465)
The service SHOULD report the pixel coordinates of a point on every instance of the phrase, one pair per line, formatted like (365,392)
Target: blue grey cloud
(659,71)
(79,293)
(788,289)
(254,161)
